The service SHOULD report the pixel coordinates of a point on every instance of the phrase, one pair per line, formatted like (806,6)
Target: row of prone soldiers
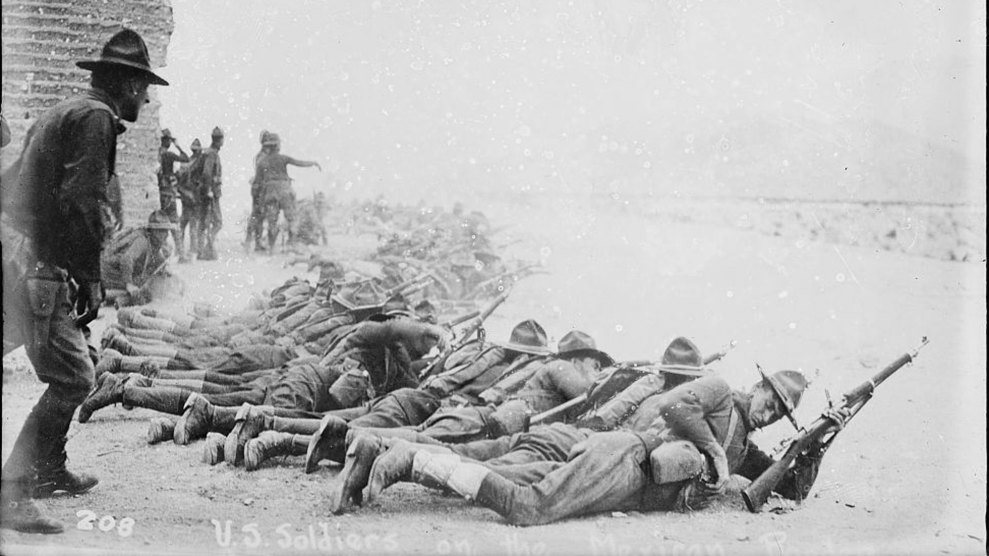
(533,433)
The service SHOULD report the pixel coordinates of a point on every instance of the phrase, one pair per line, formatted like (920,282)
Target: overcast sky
(439,97)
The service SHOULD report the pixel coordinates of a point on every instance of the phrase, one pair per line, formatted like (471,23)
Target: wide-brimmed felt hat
(196,145)
(217,132)
(126,49)
(683,357)
(166,133)
(580,344)
(789,386)
(527,337)
(158,220)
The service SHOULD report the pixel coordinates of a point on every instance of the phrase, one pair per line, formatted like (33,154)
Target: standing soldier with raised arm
(210,182)
(168,182)
(272,174)
(53,230)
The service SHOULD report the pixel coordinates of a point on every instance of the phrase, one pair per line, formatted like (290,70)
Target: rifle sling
(732,425)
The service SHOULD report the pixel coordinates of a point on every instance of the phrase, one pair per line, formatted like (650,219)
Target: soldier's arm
(301,163)
(129,259)
(685,407)
(181,156)
(87,172)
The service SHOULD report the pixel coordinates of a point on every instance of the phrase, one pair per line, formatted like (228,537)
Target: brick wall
(42,41)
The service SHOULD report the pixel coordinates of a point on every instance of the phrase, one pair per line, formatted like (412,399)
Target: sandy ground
(907,477)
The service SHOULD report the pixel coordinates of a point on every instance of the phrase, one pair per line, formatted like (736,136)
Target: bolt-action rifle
(821,433)
(475,325)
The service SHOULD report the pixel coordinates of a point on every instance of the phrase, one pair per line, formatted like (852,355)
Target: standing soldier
(52,233)
(272,171)
(190,202)
(255,224)
(168,182)
(210,180)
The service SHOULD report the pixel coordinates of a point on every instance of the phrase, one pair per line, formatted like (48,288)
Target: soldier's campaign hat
(271,139)
(217,132)
(580,344)
(789,386)
(126,49)
(158,220)
(166,133)
(527,337)
(196,145)
(683,357)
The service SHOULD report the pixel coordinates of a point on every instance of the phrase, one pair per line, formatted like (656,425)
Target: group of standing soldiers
(198,183)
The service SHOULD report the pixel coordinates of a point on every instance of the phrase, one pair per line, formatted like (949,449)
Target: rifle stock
(756,494)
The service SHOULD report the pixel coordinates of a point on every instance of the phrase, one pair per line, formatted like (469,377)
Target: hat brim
(685,370)
(91,65)
(605,359)
(531,350)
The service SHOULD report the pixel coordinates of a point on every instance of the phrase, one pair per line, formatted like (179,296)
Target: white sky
(444,99)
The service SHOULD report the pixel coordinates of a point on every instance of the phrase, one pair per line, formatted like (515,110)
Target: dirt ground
(907,477)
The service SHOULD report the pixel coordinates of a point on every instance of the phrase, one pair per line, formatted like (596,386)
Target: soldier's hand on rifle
(720,461)
(837,415)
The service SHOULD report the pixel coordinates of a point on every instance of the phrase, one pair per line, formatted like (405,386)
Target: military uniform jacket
(469,371)
(60,197)
(545,384)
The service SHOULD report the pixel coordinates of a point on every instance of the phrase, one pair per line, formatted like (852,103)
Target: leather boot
(196,419)
(113,339)
(158,398)
(200,416)
(18,511)
(327,442)
(63,480)
(160,429)
(395,465)
(109,390)
(269,444)
(250,421)
(356,469)
(109,362)
(213,448)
